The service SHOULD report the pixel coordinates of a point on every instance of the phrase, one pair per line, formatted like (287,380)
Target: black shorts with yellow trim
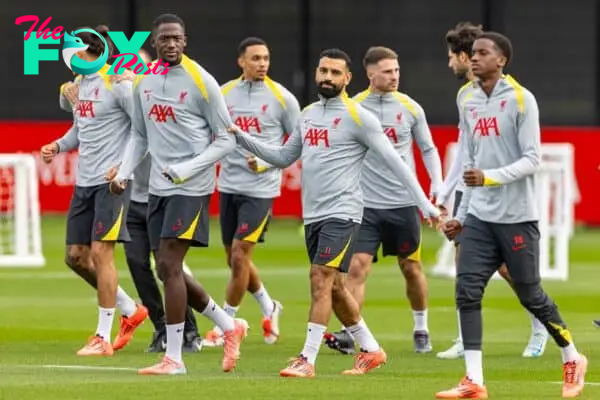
(331,242)
(397,230)
(243,218)
(178,217)
(97,215)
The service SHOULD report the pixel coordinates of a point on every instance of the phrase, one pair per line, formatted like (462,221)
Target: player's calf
(416,291)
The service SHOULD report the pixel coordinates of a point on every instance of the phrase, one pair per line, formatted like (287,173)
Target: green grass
(47,314)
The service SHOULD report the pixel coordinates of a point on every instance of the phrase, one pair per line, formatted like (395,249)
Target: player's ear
(502,62)
(241,62)
(463,57)
(348,78)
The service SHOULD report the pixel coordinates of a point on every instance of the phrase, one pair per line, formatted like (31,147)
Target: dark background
(555,43)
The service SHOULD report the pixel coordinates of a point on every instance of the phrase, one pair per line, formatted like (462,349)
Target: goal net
(20,231)
(557,195)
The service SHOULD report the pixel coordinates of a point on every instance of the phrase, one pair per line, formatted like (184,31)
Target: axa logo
(127,48)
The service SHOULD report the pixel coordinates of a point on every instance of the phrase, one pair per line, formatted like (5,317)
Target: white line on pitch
(88,368)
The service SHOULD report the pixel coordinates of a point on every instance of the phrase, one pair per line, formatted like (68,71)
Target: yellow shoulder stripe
(352,109)
(309,106)
(362,96)
(463,88)
(105,78)
(518,92)
(190,68)
(230,85)
(276,91)
(138,78)
(405,101)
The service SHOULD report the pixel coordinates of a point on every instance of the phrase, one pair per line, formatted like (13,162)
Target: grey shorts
(178,217)
(397,230)
(486,245)
(331,242)
(243,218)
(97,215)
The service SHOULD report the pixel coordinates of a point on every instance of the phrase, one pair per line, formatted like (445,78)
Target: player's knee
(75,258)
(531,295)
(167,270)
(322,280)
(102,252)
(469,293)
(411,269)
(339,286)
(359,269)
(239,257)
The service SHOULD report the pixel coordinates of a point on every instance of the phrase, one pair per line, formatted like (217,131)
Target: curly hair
(461,38)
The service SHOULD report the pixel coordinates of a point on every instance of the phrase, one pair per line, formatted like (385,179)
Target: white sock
(459,339)
(230,310)
(264,300)
(569,353)
(364,337)
(175,341)
(125,304)
(420,318)
(473,360)
(105,321)
(348,332)
(314,337)
(218,316)
(536,325)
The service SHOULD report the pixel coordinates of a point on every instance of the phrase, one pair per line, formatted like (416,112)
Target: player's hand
(233,129)
(443,210)
(49,151)
(117,187)
(127,75)
(252,163)
(433,222)
(71,92)
(473,177)
(451,228)
(112,173)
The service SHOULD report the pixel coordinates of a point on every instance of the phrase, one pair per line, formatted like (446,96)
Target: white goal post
(557,191)
(20,230)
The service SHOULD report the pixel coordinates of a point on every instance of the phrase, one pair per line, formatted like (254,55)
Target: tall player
(391,217)
(502,145)
(460,43)
(179,118)
(102,120)
(332,137)
(137,250)
(267,111)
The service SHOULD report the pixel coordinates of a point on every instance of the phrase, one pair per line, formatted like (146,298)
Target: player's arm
(137,147)
(289,118)
(371,135)
(219,120)
(455,172)
(529,139)
(123,91)
(69,141)
(280,156)
(68,94)
(429,152)
(468,162)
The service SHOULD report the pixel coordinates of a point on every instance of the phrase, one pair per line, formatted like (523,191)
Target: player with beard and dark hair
(332,138)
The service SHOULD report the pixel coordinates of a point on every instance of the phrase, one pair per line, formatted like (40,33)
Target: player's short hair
(250,41)
(378,53)
(167,19)
(337,54)
(95,45)
(502,42)
(461,38)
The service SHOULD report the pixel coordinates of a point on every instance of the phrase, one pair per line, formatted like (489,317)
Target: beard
(328,92)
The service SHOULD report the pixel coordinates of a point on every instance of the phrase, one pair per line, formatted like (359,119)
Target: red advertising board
(57,179)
